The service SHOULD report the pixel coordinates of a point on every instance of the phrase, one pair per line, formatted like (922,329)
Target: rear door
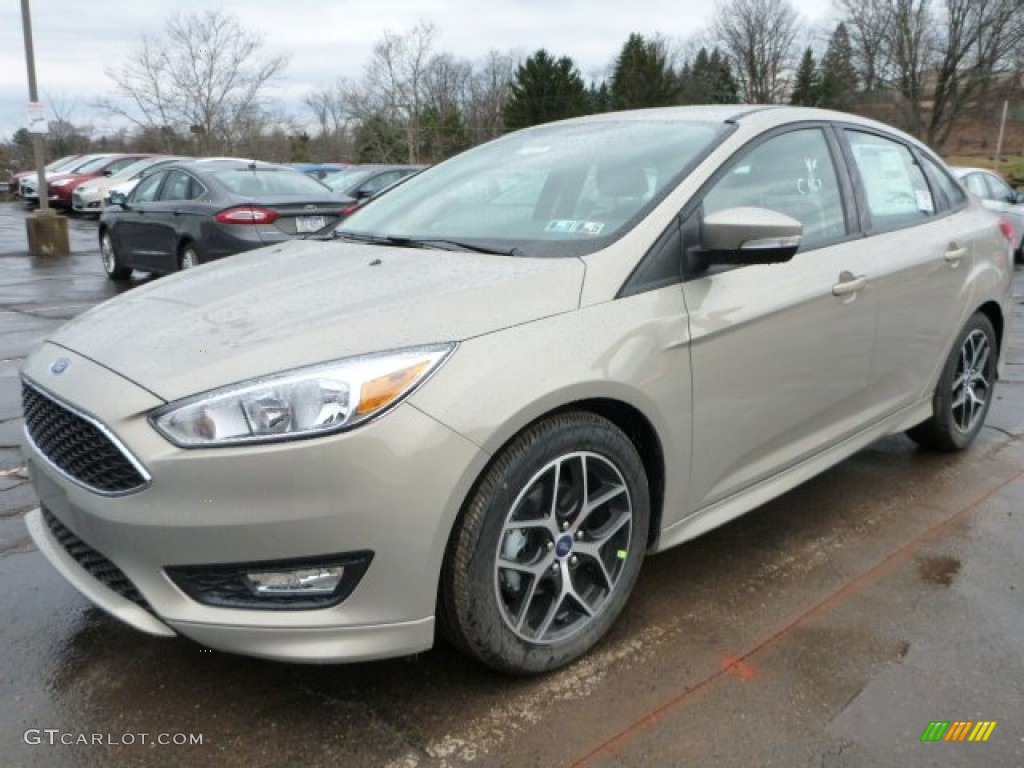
(780,353)
(923,244)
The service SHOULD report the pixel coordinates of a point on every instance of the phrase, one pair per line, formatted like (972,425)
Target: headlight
(306,402)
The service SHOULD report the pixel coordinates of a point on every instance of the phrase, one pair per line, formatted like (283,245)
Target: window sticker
(562,225)
(572,226)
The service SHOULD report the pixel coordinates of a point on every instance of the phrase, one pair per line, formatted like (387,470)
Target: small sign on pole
(36,113)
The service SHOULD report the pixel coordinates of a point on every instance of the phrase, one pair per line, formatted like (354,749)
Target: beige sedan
(508,380)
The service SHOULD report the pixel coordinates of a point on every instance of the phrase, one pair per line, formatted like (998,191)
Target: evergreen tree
(545,89)
(642,76)
(600,98)
(807,88)
(708,80)
(838,73)
(724,88)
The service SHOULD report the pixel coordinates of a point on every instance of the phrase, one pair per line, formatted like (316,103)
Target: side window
(896,188)
(378,183)
(998,190)
(941,179)
(178,186)
(976,184)
(121,164)
(792,173)
(145,191)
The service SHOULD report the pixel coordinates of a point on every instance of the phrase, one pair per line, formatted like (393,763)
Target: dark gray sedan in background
(196,211)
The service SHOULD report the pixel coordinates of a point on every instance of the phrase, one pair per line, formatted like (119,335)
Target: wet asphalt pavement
(826,629)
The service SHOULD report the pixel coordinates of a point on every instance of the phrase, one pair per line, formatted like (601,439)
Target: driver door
(780,353)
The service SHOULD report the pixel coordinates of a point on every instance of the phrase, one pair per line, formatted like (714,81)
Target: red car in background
(57,165)
(60,186)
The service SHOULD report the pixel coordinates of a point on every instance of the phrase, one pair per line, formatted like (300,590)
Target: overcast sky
(76,41)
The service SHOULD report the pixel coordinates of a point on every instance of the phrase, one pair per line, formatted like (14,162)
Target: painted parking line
(742,663)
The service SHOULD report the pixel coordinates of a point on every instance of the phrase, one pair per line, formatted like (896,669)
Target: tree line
(204,86)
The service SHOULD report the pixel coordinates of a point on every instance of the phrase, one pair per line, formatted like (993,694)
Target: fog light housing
(299,584)
(297,581)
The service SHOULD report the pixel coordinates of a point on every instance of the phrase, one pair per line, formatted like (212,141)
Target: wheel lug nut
(565,525)
(579,535)
(554,567)
(549,546)
(573,561)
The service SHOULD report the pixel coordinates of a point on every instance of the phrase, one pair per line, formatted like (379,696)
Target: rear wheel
(111,262)
(964,392)
(549,546)
(189,256)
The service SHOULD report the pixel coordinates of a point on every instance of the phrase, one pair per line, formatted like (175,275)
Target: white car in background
(998,196)
(91,196)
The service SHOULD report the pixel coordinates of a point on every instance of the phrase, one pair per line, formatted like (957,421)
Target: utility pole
(1002,131)
(47,233)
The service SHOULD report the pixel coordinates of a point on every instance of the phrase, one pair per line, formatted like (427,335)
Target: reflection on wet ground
(825,629)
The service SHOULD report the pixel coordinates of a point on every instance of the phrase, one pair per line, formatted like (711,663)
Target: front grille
(76,446)
(101,569)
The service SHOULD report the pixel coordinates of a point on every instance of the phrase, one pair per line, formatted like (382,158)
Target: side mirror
(118,198)
(108,172)
(749,236)
(363,194)
(1019,197)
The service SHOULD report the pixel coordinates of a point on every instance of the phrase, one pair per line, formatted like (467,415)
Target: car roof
(757,117)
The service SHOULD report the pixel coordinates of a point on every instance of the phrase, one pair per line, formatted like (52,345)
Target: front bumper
(380,488)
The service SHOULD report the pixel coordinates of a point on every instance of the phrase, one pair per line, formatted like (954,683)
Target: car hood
(301,303)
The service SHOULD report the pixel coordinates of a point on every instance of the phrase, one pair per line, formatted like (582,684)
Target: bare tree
(334,118)
(868,23)
(758,37)
(942,60)
(394,80)
(489,90)
(207,76)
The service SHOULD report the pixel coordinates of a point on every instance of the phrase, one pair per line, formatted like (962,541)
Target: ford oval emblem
(58,366)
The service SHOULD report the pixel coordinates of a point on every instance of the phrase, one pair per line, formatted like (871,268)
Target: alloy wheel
(972,381)
(562,548)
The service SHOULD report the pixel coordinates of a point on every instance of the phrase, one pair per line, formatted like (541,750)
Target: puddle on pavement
(938,569)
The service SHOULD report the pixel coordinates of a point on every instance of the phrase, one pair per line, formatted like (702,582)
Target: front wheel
(964,392)
(111,262)
(549,546)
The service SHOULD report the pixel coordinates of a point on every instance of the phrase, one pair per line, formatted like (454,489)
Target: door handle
(849,284)
(954,255)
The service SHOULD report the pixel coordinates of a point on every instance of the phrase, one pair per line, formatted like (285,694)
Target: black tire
(188,256)
(965,389)
(588,553)
(112,264)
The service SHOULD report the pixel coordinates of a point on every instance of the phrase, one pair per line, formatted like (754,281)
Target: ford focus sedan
(506,382)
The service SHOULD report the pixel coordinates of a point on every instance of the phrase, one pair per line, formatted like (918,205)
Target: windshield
(129,171)
(94,164)
(254,183)
(558,190)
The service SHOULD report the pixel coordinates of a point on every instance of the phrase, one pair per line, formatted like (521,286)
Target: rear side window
(976,184)
(896,188)
(179,186)
(941,179)
(998,190)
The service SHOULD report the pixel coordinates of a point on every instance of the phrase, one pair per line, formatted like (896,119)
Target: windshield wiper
(424,242)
